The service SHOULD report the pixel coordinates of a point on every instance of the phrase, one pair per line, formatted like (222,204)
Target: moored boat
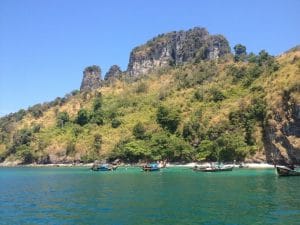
(286,171)
(217,168)
(151,167)
(104,167)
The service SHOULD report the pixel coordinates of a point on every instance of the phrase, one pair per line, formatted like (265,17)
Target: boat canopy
(153,165)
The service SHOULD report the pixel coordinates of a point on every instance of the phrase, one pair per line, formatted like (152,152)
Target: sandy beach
(245,165)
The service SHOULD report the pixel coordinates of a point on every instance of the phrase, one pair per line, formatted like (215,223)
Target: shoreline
(186,165)
(245,165)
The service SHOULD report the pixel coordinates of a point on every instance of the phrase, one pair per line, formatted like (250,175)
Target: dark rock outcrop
(175,48)
(113,72)
(91,78)
(282,133)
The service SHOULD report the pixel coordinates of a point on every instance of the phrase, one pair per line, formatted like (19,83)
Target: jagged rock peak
(91,78)
(175,48)
(113,72)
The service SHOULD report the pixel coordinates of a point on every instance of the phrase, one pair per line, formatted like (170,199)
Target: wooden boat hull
(150,169)
(285,171)
(103,169)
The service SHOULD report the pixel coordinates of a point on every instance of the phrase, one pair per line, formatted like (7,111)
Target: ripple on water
(173,196)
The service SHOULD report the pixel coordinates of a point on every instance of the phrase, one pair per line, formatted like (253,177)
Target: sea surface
(129,196)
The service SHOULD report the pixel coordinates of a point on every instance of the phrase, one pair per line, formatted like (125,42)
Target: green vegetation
(239,52)
(200,111)
(83,117)
(62,119)
(168,118)
(139,131)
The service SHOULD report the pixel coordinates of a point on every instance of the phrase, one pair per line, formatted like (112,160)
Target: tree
(217,95)
(139,131)
(97,142)
(182,151)
(160,146)
(230,147)
(115,123)
(97,104)
(83,117)
(20,114)
(237,72)
(23,152)
(70,149)
(198,95)
(239,52)
(62,118)
(132,151)
(22,137)
(36,111)
(141,87)
(97,117)
(170,147)
(207,151)
(187,131)
(167,118)
(267,61)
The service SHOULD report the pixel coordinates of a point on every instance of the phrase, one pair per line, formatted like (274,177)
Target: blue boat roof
(104,165)
(153,165)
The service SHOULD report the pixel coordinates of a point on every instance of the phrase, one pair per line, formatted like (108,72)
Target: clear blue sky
(46,44)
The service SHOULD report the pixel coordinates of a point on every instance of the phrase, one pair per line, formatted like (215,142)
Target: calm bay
(129,196)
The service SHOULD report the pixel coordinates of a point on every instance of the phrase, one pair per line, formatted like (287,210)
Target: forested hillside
(236,106)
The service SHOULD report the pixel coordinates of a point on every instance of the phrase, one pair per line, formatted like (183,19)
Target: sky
(45,45)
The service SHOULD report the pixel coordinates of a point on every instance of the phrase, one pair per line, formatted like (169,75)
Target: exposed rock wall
(91,78)
(176,48)
(282,134)
(113,72)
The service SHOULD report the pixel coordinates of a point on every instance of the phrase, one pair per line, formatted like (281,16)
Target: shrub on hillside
(20,114)
(141,87)
(199,95)
(115,123)
(139,131)
(97,103)
(239,52)
(62,119)
(97,142)
(97,117)
(36,111)
(207,151)
(169,119)
(24,153)
(70,149)
(170,147)
(217,95)
(83,117)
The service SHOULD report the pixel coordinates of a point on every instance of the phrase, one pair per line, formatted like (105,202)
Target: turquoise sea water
(129,196)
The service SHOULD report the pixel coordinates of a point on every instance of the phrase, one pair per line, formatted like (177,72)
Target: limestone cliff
(91,78)
(175,48)
(282,131)
(113,72)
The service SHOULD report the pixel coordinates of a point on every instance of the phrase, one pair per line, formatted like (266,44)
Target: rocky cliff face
(176,48)
(91,78)
(283,130)
(113,72)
